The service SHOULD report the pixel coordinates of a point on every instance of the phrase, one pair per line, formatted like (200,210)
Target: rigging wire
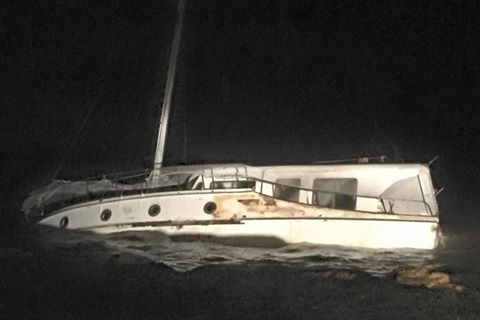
(134,124)
(380,133)
(80,124)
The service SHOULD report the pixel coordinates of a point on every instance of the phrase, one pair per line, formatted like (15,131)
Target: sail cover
(60,191)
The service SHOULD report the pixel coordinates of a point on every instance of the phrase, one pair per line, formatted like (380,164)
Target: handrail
(120,190)
(380,159)
(427,206)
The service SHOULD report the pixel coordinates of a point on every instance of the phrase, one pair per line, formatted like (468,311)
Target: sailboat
(363,204)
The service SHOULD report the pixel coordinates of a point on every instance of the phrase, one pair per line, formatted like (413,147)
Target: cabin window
(210,207)
(235,184)
(106,214)
(64,223)
(287,189)
(335,193)
(154,210)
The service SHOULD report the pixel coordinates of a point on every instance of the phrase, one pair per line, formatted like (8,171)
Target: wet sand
(41,281)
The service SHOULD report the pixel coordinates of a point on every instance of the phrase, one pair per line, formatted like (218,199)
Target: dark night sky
(258,82)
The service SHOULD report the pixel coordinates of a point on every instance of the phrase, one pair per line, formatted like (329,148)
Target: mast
(167,99)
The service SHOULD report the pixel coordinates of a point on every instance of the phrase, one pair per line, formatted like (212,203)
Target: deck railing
(208,179)
(310,197)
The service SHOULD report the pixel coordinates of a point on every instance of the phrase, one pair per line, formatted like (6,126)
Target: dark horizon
(258,82)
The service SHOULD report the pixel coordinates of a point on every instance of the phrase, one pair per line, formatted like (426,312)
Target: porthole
(154,210)
(106,214)
(64,223)
(210,207)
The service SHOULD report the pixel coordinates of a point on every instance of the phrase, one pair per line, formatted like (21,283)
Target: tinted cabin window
(287,189)
(242,184)
(335,193)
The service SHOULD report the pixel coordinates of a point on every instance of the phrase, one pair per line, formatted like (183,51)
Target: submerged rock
(422,276)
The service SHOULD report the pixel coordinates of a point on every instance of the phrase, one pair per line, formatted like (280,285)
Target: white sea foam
(186,256)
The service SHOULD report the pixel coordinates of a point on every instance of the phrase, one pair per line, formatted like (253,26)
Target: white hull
(182,213)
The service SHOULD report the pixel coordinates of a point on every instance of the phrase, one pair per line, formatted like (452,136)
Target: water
(460,254)
(186,256)
(55,274)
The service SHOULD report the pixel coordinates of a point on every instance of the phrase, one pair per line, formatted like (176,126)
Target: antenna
(432,161)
